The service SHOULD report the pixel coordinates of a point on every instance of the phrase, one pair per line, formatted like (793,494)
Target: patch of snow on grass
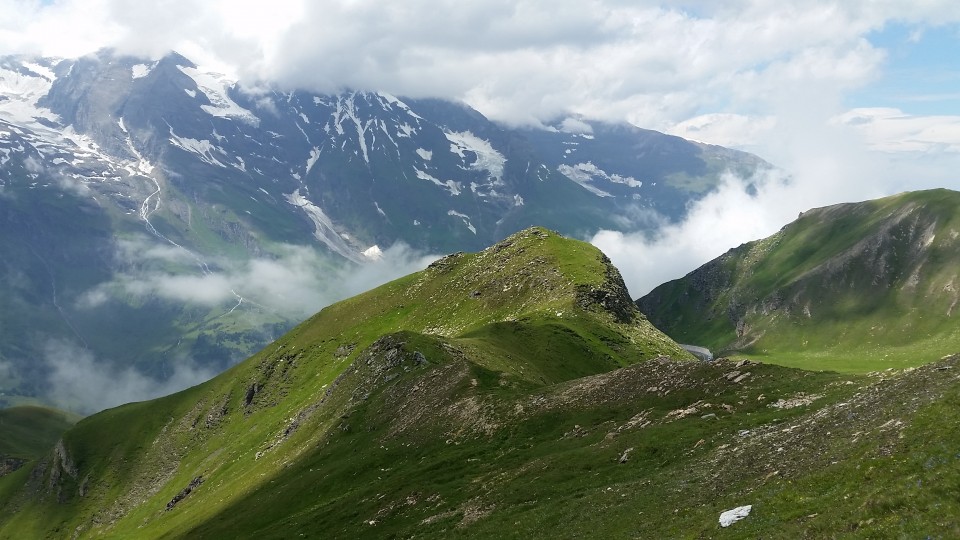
(732,516)
(312,160)
(347,109)
(23,91)
(43,71)
(393,100)
(324,230)
(593,170)
(406,130)
(82,142)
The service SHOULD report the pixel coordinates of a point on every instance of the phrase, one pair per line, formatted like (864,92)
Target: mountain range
(167,220)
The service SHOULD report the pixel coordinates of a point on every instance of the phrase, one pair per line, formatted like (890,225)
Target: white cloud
(33,165)
(892,130)
(6,372)
(725,218)
(827,161)
(656,64)
(209,290)
(295,283)
(727,129)
(146,249)
(742,210)
(79,382)
(574,125)
(73,186)
(93,298)
(827,166)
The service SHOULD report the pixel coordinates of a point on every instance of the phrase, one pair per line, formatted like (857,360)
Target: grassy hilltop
(511,393)
(531,311)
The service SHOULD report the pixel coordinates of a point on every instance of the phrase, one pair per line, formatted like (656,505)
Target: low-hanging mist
(293,284)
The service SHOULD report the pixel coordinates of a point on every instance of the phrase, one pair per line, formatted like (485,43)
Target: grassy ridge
(505,394)
(852,287)
(235,435)
(28,432)
(541,462)
(657,449)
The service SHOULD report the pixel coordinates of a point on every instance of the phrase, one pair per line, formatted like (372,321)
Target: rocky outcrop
(62,465)
(185,492)
(611,296)
(384,361)
(62,472)
(9,465)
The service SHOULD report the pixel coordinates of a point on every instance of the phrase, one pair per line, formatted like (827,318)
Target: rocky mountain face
(140,199)
(865,282)
(358,168)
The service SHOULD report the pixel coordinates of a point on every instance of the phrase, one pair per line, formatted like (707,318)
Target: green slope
(27,433)
(533,310)
(654,450)
(852,287)
(507,394)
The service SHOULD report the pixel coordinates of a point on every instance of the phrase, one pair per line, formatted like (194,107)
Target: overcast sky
(853,99)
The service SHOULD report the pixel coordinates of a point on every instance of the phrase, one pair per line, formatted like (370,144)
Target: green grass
(855,287)
(495,308)
(28,432)
(535,481)
(880,484)
(481,398)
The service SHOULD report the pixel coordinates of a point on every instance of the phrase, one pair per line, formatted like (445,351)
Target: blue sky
(921,74)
